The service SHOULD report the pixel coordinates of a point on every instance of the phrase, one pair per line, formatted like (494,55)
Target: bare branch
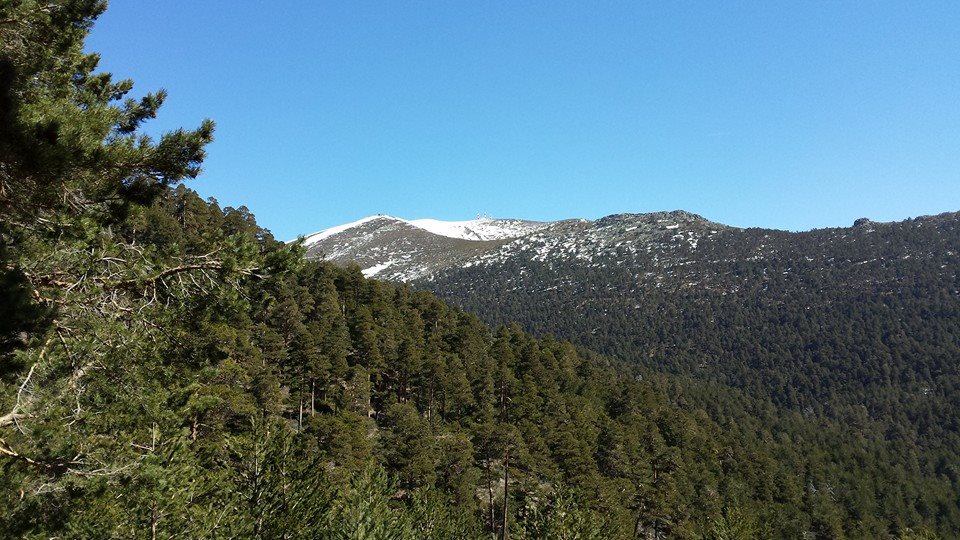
(212,265)
(14,415)
(53,467)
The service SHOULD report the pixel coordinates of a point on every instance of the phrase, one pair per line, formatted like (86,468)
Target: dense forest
(169,369)
(852,327)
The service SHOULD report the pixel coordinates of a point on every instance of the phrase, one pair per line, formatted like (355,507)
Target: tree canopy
(169,369)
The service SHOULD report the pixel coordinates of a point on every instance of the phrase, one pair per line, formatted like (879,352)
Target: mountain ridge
(480,228)
(401,250)
(398,249)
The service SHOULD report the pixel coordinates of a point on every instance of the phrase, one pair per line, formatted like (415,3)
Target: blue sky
(786,115)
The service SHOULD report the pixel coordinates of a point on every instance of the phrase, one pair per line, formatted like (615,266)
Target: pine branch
(128,283)
(55,467)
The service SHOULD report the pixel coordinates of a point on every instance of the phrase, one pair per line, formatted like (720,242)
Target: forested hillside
(169,369)
(855,326)
(230,389)
(780,314)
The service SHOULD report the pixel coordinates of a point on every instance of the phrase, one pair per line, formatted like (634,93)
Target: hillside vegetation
(169,369)
(856,328)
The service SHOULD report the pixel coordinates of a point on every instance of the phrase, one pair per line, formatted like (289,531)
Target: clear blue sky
(786,115)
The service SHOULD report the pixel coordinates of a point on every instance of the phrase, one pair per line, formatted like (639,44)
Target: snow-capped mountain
(767,311)
(474,229)
(397,249)
(626,256)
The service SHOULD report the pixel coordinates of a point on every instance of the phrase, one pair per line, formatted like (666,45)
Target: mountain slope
(857,326)
(704,295)
(653,285)
(779,313)
(400,250)
(396,249)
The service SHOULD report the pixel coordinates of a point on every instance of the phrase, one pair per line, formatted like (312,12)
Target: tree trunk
(493,515)
(506,494)
(300,416)
(153,522)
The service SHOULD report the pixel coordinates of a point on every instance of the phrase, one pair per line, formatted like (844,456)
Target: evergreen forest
(169,369)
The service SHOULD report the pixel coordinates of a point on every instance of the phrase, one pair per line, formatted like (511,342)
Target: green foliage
(830,351)
(172,370)
(364,510)
(562,516)
(69,138)
(734,524)
(282,492)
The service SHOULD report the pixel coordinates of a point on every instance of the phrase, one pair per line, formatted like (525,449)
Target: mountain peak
(654,217)
(313,238)
(479,229)
(401,249)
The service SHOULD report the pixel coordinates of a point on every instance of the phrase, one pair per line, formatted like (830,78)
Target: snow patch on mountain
(479,229)
(376,269)
(327,233)
(395,249)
